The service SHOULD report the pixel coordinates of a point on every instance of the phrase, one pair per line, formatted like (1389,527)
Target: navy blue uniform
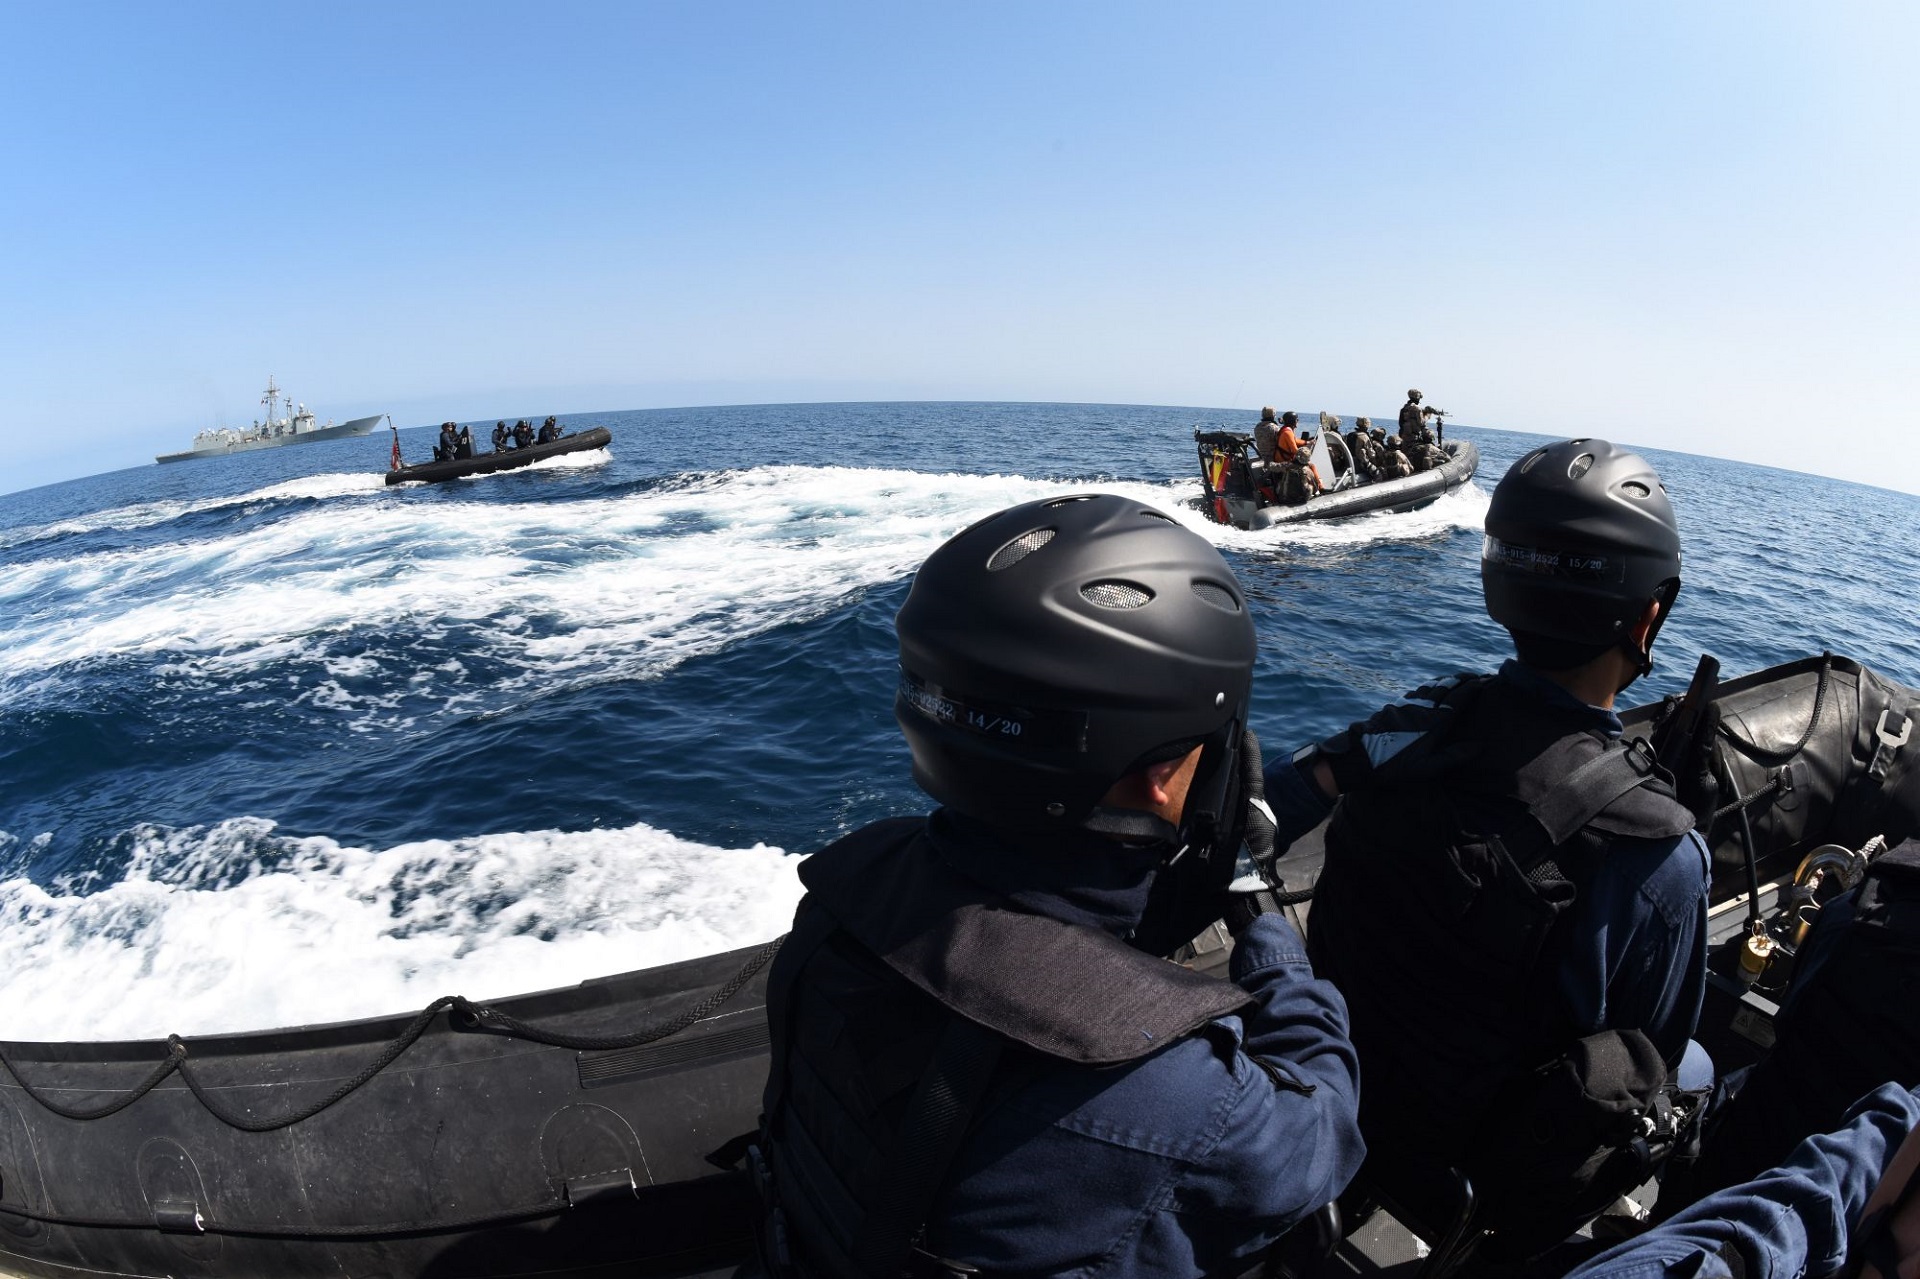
(1800,1218)
(1202,1151)
(1633,953)
(1506,886)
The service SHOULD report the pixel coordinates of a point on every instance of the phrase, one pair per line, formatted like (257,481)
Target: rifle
(1683,722)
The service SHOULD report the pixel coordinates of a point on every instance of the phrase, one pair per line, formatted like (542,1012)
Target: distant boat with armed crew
(297,426)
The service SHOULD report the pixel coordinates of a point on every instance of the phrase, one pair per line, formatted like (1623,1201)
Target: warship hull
(345,430)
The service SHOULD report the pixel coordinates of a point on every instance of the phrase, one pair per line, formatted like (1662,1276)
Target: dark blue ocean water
(278,743)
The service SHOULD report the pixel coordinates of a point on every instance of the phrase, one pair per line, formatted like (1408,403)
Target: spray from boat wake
(238,927)
(383,610)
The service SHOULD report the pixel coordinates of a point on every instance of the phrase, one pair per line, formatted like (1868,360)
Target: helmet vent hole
(1533,458)
(1018,549)
(1115,594)
(1063,501)
(1634,488)
(1218,596)
(1159,515)
(1580,466)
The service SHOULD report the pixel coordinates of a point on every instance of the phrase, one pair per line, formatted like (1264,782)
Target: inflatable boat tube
(555,1133)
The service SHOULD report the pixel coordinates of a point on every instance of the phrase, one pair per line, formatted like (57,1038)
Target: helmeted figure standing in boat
(977,1054)
(1512,900)
(1413,421)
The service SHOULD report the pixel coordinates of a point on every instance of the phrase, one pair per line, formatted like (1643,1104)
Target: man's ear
(1644,627)
(1158,775)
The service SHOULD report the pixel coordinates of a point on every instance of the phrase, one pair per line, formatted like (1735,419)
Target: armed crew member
(549,432)
(1413,424)
(1074,677)
(522,434)
(1394,464)
(1507,888)
(449,444)
(1266,436)
(1361,445)
(501,440)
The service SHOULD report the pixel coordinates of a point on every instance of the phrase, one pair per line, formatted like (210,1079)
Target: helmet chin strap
(1134,826)
(1642,659)
(1204,819)
(1209,813)
(1642,654)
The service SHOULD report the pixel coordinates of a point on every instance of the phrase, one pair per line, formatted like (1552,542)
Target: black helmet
(1051,649)
(1580,536)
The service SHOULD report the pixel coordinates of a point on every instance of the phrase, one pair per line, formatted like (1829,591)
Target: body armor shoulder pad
(1585,781)
(1062,989)
(1899,865)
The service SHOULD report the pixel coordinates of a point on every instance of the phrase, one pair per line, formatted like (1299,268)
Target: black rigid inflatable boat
(1232,475)
(567,1132)
(597,437)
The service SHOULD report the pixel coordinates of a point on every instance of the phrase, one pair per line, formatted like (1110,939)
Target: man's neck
(1598,682)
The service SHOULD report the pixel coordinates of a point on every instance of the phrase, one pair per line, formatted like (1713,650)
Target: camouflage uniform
(1394,464)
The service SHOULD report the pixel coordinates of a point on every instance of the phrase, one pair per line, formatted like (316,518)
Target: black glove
(1695,780)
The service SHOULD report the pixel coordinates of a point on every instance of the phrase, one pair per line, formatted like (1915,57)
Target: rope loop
(478,1017)
(1764,755)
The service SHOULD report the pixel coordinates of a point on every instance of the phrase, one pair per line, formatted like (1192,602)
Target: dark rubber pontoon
(1230,471)
(567,1132)
(597,437)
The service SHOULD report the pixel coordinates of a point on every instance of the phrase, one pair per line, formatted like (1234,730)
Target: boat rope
(1766,756)
(1742,803)
(202,1226)
(495,1020)
(473,1016)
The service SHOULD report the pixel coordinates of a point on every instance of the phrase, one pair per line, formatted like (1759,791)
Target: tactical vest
(1847,1029)
(890,944)
(1293,487)
(1446,874)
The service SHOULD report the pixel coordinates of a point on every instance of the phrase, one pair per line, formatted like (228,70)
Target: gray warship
(297,427)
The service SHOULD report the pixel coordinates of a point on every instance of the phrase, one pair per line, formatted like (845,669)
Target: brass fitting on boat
(1756,952)
(1813,870)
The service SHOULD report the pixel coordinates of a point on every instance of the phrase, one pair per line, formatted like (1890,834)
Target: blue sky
(1683,225)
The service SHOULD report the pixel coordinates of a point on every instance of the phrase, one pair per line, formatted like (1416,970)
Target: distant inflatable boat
(506,460)
(1238,493)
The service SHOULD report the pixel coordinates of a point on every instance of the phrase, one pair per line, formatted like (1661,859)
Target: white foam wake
(152,514)
(620,587)
(234,927)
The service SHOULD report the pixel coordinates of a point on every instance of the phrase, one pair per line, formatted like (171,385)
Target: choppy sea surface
(280,745)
